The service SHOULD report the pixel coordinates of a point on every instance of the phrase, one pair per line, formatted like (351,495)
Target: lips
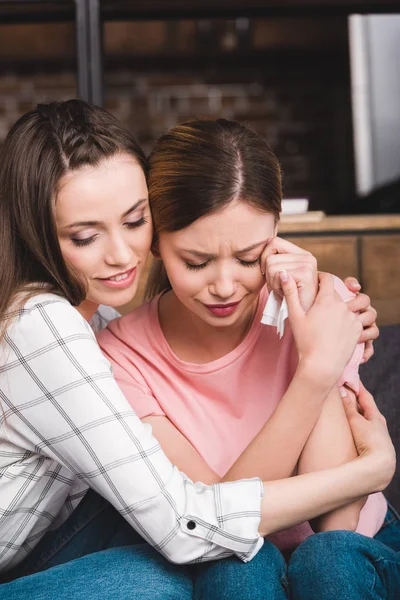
(118,276)
(120,280)
(222,310)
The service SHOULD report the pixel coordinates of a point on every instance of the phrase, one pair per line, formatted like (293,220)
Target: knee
(324,553)
(263,577)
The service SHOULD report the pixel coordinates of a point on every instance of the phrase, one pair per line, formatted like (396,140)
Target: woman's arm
(329,445)
(180,451)
(304,497)
(324,350)
(288,502)
(77,424)
(63,407)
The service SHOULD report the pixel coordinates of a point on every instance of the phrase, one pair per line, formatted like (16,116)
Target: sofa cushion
(381,376)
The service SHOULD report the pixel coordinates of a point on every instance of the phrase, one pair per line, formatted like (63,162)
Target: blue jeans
(263,578)
(348,566)
(96,554)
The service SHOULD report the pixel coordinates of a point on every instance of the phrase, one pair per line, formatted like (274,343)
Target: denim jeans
(263,578)
(348,566)
(96,554)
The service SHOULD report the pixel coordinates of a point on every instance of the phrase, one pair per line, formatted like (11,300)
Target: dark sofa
(381,376)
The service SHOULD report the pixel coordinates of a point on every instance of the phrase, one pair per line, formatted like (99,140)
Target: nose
(118,252)
(224,285)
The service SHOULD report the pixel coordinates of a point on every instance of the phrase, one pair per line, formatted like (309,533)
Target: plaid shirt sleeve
(61,403)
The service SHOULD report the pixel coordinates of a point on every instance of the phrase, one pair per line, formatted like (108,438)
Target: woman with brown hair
(85,489)
(226,398)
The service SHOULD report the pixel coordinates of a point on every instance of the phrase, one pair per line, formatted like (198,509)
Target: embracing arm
(290,501)
(342,485)
(76,417)
(65,409)
(329,445)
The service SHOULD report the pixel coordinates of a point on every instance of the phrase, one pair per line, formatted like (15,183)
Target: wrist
(313,376)
(378,469)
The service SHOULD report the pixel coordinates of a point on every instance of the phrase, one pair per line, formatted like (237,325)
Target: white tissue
(275,313)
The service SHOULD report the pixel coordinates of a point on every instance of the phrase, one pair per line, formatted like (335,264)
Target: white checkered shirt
(66,426)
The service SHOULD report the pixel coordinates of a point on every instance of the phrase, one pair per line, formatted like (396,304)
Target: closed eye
(135,224)
(192,267)
(250,263)
(83,242)
(244,263)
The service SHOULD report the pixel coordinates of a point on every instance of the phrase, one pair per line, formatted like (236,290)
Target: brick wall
(288,80)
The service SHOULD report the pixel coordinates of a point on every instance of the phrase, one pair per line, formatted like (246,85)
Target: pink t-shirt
(222,405)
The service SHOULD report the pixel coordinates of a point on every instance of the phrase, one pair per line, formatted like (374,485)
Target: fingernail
(355,284)
(283,276)
(343,392)
(362,361)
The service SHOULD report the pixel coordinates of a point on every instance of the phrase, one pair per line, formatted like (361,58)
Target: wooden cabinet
(336,255)
(381,275)
(367,247)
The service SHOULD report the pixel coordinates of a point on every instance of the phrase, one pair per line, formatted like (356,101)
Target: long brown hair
(199,168)
(41,147)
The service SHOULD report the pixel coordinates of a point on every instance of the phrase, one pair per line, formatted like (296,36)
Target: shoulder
(44,319)
(50,340)
(131,328)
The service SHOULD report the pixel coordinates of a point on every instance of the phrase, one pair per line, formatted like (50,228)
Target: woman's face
(104,227)
(214,264)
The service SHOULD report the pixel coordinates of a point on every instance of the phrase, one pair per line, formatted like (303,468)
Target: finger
(352,284)
(326,285)
(350,407)
(291,294)
(281,246)
(369,333)
(289,259)
(368,352)
(367,403)
(361,303)
(276,285)
(273,282)
(302,272)
(367,317)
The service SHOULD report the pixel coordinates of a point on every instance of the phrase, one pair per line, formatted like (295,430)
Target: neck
(193,340)
(87,309)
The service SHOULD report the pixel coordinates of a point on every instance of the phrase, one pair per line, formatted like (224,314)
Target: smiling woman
(105,238)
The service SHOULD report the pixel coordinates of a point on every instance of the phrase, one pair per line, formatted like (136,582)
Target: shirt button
(191,525)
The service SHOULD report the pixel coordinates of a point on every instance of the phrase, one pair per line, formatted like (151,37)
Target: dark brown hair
(199,168)
(42,146)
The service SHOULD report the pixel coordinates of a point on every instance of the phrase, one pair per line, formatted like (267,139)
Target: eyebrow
(94,223)
(205,255)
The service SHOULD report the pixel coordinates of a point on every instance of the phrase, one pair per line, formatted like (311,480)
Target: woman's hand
(326,335)
(370,434)
(361,304)
(282,255)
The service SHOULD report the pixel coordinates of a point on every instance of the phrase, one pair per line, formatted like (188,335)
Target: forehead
(102,190)
(236,226)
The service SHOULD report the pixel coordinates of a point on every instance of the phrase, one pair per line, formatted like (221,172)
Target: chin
(115,298)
